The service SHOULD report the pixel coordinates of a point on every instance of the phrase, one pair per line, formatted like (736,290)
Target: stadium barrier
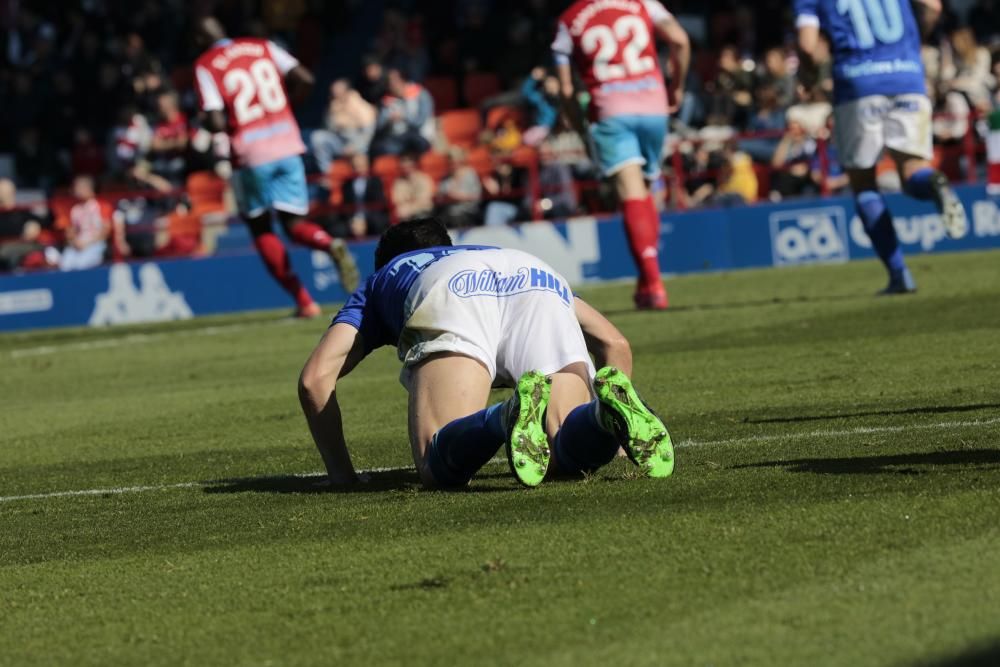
(584,250)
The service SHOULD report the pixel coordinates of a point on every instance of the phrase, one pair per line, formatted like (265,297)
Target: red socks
(275,257)
(642,227)
(310,235)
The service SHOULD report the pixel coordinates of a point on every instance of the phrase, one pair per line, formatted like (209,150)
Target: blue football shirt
(875,45)
(376,309)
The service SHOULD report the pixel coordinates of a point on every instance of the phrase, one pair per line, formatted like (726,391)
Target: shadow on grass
(754,303)
(899,464)
(378,482)
(985,656)
(926,410)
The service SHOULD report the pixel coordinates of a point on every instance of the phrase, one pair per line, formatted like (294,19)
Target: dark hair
(408,236)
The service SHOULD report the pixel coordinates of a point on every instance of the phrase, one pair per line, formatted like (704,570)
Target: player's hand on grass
(342,480)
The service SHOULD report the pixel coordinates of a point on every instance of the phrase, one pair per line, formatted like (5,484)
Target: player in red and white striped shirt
(241,85)
(611,44)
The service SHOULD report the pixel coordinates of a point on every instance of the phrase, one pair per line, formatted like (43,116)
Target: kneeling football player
(465,319)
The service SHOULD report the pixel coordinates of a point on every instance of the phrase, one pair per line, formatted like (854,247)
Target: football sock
(919,185)
(310,235)
(462,447)
(642,228)
(878,223)
(583,444)
(275,257)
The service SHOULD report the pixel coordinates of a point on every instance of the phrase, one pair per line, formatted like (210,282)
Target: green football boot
(527,445)
(640,432)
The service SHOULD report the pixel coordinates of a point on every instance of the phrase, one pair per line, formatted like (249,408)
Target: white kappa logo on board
(151,301)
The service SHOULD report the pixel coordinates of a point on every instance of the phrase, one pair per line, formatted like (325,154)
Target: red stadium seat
(204,188)
(481,160)
(340,172)
(524,156)
(478,87)
(386,167)
(444,90)
(461,127)
(435,165)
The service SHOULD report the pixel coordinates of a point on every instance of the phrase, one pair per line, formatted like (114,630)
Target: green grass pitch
(836,499)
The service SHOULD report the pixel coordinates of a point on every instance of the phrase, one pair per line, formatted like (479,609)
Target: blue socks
(878,223)
(465,445)
(583,444)
(919,184)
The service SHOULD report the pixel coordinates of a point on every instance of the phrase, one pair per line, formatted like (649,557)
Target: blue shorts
(623,140)
(279,185)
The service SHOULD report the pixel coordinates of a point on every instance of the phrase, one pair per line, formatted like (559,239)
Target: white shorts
(505,308)
(862,128)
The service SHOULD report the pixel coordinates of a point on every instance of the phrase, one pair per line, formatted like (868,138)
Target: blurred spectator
(405,118)
(768,117)
(812,111)
(731,98)
(507,190)
(130,140)
(737,184)
(412,191)
(791,161)
(27,251)
(20,230)
(89,228)
(366,208)
(558,188)
(169,142)
(12,218)
(951,119)
(970,71)
(350,125)
(460,193)
(776,73)
(372,84)
(540,92)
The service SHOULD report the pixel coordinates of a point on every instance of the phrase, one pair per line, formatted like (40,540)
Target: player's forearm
(327,428)
(680,51)
(807,43)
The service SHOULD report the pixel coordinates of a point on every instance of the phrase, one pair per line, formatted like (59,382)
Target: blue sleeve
(358,314)
(806,12)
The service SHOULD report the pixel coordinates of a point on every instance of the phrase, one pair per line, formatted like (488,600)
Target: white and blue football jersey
(378,308)
(875,45)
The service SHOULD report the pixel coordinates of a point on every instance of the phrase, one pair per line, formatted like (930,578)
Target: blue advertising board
(583,250)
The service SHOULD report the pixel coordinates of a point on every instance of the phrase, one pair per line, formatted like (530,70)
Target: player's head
(208,30)
(409,236)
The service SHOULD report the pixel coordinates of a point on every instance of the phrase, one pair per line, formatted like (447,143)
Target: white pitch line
(135,339)
(120,490)
(861,430)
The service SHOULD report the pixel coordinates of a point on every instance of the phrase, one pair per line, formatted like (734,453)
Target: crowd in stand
(452,108)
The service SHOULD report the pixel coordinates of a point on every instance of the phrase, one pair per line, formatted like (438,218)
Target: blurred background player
(612,46)
(245,78)
(880,102)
